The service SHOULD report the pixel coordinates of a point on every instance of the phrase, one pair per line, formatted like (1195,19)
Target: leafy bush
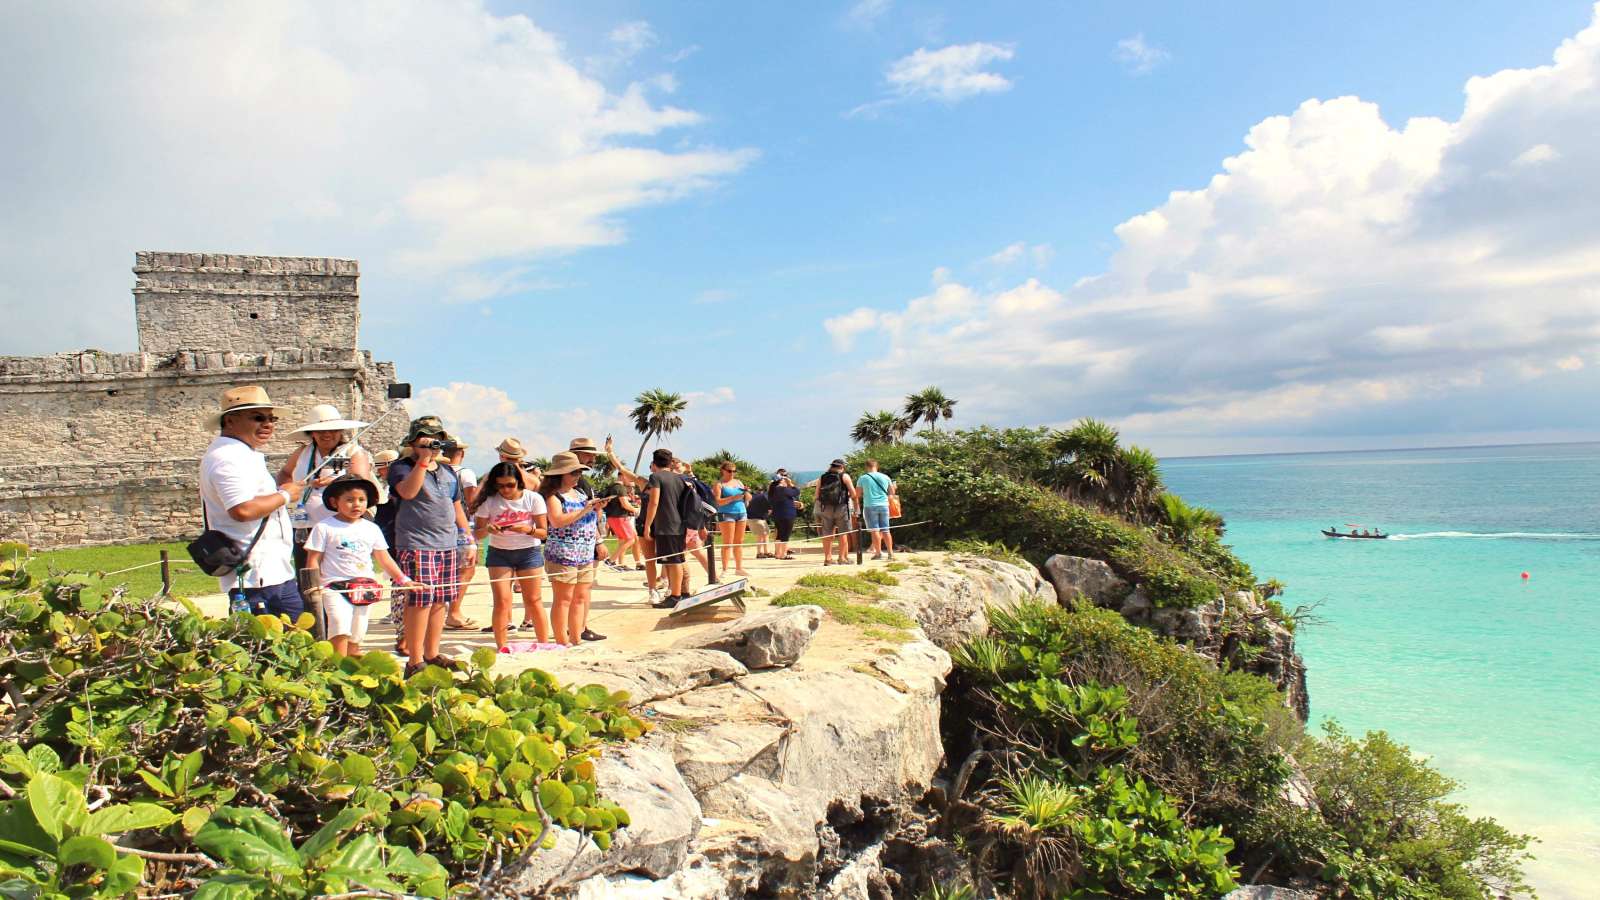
(146,704)
(995,550)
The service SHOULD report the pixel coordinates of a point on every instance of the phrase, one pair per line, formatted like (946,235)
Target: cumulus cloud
(947,75)
(1011,254)
(1339,271)
(1138,56)
(433,140)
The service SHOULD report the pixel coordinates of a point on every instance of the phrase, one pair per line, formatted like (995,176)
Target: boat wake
(1501,535)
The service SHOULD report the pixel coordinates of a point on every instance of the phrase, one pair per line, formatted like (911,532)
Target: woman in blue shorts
(515,520)
(732,496)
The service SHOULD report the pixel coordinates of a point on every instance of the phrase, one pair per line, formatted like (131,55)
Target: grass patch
(919,561)
(995,550)
(878,576)
(896,567)
(145,582)
(887,635)
(855,584)
(840,604)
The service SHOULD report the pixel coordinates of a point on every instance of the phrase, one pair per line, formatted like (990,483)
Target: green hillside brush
(250,754)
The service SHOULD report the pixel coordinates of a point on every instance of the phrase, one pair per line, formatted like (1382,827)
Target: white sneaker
(655,596)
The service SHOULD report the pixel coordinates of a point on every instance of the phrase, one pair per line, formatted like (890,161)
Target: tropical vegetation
(929,405)
(1093,758)
(145,747)
(881,427)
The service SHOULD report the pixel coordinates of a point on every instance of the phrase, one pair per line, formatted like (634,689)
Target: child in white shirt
(341,550)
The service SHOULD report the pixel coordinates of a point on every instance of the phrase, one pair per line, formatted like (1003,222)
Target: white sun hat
(325,417)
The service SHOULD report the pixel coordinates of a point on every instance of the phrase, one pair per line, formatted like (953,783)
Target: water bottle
(237,601)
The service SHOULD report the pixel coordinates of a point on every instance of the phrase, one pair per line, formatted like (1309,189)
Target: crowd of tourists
(335,513)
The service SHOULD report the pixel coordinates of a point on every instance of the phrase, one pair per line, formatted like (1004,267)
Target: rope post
(858,523)
(711,556)
(166,573)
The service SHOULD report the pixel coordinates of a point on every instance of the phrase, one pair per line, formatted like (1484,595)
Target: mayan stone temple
(105,447)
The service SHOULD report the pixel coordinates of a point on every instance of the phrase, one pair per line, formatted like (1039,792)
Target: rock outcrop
(1235,628)
(776,774)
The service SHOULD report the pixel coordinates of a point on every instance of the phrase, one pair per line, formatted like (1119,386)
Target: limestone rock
(1269,892)
(1074,575)
(951,602)
(665,818)
(646,677)
(767,639)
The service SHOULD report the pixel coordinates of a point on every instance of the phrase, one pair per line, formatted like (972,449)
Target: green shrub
(995,550)
(878,576)
(142,702)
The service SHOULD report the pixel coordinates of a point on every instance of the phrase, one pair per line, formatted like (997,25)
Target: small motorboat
(1352,534)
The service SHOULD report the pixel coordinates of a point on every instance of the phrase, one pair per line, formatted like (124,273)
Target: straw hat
(565,462)
(345,483)
(511,447)
(583,445)
(242,398)
(325,417)
(384,457)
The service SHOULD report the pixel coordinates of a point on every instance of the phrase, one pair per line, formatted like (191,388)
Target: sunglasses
(263,418)
(502,485)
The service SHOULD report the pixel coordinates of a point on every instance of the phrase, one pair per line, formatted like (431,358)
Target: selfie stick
(356,438)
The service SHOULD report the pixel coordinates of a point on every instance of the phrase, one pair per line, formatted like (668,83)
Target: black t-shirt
(614,509)
(672,486)
(760,507)
(783,499)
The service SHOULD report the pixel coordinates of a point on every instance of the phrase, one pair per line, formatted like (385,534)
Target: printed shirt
(346,548)
(574,544)
(232,472)
(499,511)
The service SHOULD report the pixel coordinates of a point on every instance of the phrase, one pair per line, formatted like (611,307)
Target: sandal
(444,662)
(461,625)
(414,668)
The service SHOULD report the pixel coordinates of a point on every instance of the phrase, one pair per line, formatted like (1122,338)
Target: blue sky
(798,214)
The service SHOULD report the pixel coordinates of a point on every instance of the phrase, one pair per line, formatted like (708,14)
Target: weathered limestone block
(762,640)
(1268,892)
(646,677)
(950,602)
(1074,575)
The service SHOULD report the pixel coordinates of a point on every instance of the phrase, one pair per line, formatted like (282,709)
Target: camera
(446,448)
(337,463)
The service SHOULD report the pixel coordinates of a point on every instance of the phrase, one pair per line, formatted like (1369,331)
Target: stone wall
(105,447)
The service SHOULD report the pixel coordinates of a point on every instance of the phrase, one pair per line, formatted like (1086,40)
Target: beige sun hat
(384,457)
(325,417)
(564,462)
(583,445)
(250,396)
(511,447)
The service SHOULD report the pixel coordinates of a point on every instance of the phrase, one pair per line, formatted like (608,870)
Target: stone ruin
(101,448)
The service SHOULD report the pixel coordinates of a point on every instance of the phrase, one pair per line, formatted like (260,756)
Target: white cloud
(866,13)
(1137,56)
(713,295)
(1337,273)
(1038,254)
(630,38)
(718,396)
(947,75)
(434,133)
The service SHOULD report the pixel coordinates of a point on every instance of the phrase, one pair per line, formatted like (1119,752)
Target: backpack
(694,505)
(831,490)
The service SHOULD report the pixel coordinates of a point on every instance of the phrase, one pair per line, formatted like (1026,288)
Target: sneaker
(592,635)
(445,662)
(877,556)
(654,598)
(666,602)
(413,668)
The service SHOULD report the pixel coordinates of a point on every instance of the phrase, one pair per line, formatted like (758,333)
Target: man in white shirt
(239,493)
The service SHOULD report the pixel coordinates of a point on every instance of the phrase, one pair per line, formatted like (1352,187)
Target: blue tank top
(737,506)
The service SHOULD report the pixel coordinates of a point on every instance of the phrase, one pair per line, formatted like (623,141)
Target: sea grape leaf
(233,887)
(127,817)
(327,837)
(248,839)
(556,798)
(86,850)
(57,805)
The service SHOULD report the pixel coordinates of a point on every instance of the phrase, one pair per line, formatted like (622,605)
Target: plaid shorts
(429,567)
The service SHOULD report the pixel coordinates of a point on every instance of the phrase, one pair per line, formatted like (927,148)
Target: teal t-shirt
(874,489)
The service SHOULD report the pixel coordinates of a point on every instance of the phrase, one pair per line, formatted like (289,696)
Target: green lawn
(140,582)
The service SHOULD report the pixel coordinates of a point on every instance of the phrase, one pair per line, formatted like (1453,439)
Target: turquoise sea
(1434,636)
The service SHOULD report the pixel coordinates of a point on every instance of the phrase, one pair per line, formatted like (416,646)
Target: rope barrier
(130,569)
(541,574)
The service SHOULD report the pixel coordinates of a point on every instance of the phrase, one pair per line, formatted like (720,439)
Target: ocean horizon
(1435,636)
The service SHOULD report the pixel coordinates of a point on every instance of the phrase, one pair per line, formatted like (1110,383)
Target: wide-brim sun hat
(346,483)
(325,417)
(583,445)
(384,457)
(239,399)
(511,447)
(564,463)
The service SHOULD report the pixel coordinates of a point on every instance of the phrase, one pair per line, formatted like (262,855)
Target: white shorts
(344,617)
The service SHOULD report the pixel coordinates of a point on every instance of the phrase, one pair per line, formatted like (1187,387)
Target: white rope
(131,568)
(687,551)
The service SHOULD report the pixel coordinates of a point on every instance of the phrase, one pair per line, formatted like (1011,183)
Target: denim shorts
(877,518)
(731,517)
(516,560)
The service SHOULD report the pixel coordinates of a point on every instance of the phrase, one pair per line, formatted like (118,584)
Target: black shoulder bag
(217,554)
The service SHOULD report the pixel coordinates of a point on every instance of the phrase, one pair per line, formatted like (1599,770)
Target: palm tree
(1088,454)
(1138,482)
(929,405)
(658,413)
(881,427)
(1188,523)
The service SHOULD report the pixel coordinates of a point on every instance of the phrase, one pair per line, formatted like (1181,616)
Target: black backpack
(831,490)
(694,505)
